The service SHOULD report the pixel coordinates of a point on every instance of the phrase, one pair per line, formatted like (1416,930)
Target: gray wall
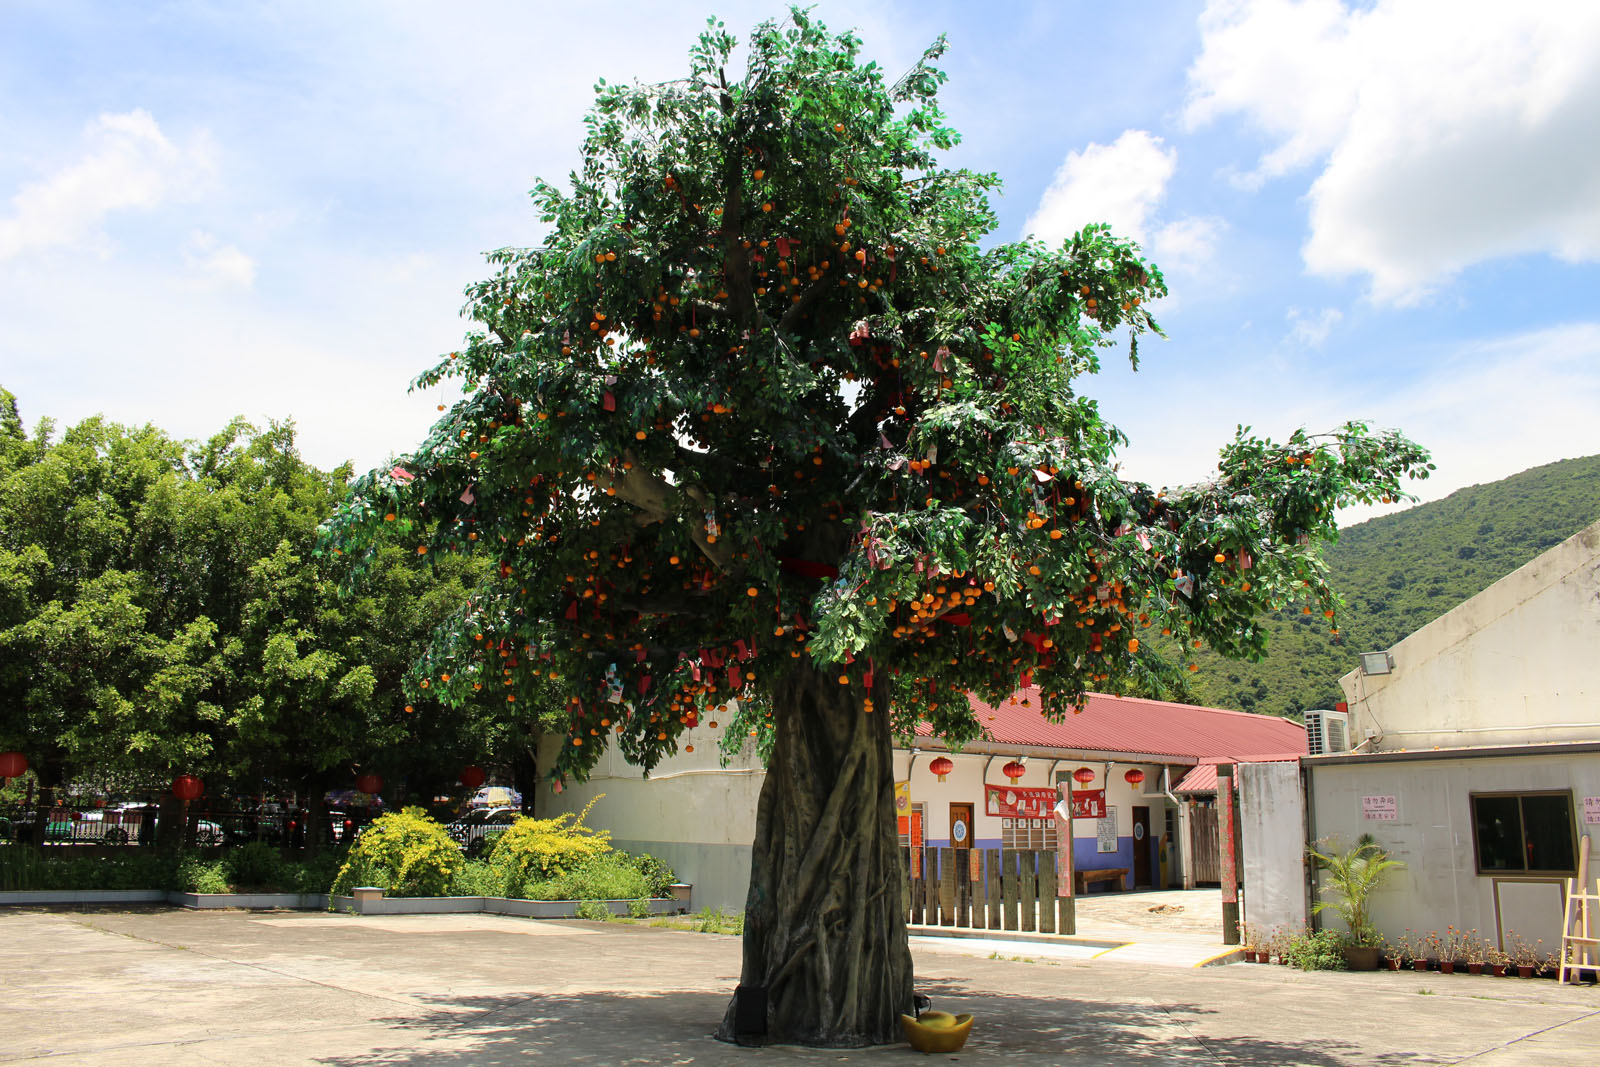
(720,874)
(1272,826)
(1440,885)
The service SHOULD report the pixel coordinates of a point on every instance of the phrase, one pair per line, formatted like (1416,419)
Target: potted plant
(1476,952)
(1525,955)
(1249,941)
(1452,950)
(1279,944)
(1402,950)
(1498,960)
(1427,950)
(1350,876)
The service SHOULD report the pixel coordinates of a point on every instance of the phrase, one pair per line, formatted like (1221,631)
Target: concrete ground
(1166,928)
(159,986)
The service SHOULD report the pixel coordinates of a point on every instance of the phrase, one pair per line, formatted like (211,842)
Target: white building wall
(700,817)
(1515,664)
(691,812)
(1433,836)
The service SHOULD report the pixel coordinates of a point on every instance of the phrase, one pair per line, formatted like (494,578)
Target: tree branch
(812,293)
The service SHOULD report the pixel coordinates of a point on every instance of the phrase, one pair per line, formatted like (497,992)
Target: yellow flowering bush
(405,853)
(534,850)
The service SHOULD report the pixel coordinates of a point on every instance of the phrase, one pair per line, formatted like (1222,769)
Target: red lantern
(370,783)
(187,787)
(1083,775)
(472,777)
(1135,776)
(1013,771)
(942,766)
(13,764)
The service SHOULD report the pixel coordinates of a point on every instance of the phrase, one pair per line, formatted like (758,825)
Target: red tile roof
(1153,727)
(1202,778)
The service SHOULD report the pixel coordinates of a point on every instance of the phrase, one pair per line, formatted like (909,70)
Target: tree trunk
(826,961)
(525,776)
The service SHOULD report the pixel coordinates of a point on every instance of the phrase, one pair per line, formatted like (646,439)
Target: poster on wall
(1088,803)
(1014,800)
(1105,832)
(1380,809)
(902,798)
(1591,809)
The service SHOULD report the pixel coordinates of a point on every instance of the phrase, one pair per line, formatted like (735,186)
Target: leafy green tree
(763,434)
(162,610)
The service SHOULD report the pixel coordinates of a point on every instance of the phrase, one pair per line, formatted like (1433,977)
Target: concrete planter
(366,903)
(84,896)
(368,900)
(252,901)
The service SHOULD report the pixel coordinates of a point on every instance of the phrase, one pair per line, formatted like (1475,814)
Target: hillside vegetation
(1399,572)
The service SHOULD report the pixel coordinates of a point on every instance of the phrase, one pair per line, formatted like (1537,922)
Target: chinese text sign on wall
(1380,809)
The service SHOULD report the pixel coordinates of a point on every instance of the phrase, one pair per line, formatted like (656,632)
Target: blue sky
(1385,210)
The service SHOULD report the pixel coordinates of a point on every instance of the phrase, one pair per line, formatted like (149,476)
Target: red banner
(1031,802)
(1088,803)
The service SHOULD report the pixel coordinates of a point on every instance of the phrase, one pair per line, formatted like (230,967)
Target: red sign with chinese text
(1088,803)
(1015,800)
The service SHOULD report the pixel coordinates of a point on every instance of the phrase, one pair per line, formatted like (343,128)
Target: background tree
(762,437)
(162,609)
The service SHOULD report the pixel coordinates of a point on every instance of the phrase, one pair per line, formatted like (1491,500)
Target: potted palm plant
(1350,877)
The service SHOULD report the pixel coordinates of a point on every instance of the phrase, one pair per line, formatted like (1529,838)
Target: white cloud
(1486,408)
(1188,244)
(1451,132)
(219,264)
(1311,329)
(1124,183)
(129,165)
(1120,183)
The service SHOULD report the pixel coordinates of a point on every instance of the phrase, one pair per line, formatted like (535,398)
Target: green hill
(1397,573)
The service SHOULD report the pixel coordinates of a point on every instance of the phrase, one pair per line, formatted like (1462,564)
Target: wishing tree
(766,442)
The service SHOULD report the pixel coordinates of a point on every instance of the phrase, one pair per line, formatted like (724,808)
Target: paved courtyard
(161,986)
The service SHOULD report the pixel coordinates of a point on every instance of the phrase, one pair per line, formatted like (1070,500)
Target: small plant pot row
(1395,963)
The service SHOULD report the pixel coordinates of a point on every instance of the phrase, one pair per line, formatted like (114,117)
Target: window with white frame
(1030,834)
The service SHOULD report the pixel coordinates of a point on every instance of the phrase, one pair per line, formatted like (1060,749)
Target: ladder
(1580,934)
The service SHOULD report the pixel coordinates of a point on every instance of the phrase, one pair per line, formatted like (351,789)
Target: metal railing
(137,825)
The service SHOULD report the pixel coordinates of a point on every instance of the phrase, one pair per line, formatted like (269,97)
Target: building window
(1034,834)
(1524,833)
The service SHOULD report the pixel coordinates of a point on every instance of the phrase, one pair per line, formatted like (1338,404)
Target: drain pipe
(1183,823)
(1166,786)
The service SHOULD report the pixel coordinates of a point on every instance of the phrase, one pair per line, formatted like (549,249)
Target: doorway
(961,825)
(1141,848)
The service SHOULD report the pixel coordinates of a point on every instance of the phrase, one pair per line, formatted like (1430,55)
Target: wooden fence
(984,889)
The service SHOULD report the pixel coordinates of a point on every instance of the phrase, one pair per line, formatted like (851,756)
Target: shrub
(534,850)
(314,874)
(476,879)
(658,877)
(22,867)
(593,909)
(639,909)
(196,875)
(1320,950)
(405,853)
(255,865)
(607,877)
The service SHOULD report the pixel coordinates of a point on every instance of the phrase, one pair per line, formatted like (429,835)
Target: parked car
(475,829)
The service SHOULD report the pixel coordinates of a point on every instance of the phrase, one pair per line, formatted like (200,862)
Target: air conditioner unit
(1327,732)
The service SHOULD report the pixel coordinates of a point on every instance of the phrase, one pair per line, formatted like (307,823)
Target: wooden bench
(1085,879)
